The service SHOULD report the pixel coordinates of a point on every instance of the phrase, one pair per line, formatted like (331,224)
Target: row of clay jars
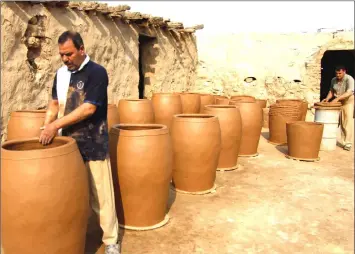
(196,141)
(304,139)
(278,119)
(44,197)
(251,115)
(141,160)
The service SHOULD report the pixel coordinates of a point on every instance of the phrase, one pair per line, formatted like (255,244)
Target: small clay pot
(44,197)
(137,111)
(206,99)
(25,124)
(261,103)
(222,101)
(252,120)
(165,106)
(304,139)
(190,103)
(244,98)
(196,140)
(112,115)
(231,132)
(141,161)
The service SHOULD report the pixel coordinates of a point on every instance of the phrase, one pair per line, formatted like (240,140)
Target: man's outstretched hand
(48,133)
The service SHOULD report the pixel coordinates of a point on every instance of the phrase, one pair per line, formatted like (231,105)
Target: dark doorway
(330,60)
(145,42)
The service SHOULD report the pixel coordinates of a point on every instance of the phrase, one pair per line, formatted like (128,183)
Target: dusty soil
(271,205)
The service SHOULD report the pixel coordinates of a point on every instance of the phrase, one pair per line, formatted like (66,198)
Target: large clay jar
(141,159)
(137,111)
(304,139)
(190,103)
(245,98)
(303,106)
(44,197)
(25,124)
(206,99)
(196,140)
(231,133)
(165,106)
(222,101)
(261,103)
(279,115)
(219,97)
(266,117)
(112,115)
(252,117)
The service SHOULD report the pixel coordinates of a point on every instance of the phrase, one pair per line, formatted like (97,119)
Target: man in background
(342,88)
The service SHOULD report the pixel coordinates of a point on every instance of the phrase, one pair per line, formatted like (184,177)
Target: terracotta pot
(190,103)
(141,159)
(303,106)
(265,117)
(222,101)
(112,115)
(304,139)
(196,140)
(165,106)
(279,115)
(231,133)
(261,103)
(245,98)
(137,111)
(219,97)
(25,124)
(206,99)
(44,197)
(252,120)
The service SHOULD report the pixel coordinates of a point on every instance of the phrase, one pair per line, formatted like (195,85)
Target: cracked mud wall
(29,55)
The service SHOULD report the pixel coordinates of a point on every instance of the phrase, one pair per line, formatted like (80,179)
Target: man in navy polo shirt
(79,109)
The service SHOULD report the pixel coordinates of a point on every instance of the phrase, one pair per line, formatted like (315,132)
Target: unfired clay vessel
(231,133)
(190,103)
(304,139)
(25,124)
(196,140)
(112,115)
(262,103)
(303,106)
(222,101)
(279,115)
(165,106)
(141,159)
(44,197)
(206,99)
(219,97)
(137,111)
(252,117)
(245,98)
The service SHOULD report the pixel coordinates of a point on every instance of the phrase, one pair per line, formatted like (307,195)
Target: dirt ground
(271,205)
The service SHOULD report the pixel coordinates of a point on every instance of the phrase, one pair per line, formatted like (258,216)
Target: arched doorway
(330,60)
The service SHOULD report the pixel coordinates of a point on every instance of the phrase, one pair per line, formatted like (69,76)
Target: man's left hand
(49,132)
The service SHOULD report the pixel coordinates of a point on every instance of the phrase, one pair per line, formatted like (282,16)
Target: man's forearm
(52,112)
(345,95)
(78,115)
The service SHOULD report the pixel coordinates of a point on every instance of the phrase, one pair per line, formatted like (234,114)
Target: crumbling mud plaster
(29,54)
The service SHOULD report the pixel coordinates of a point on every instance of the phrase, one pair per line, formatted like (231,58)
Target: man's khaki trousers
(347,121)
(102,199)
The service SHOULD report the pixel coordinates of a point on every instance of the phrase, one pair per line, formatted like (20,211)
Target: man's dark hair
(340,67)
(70,35)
